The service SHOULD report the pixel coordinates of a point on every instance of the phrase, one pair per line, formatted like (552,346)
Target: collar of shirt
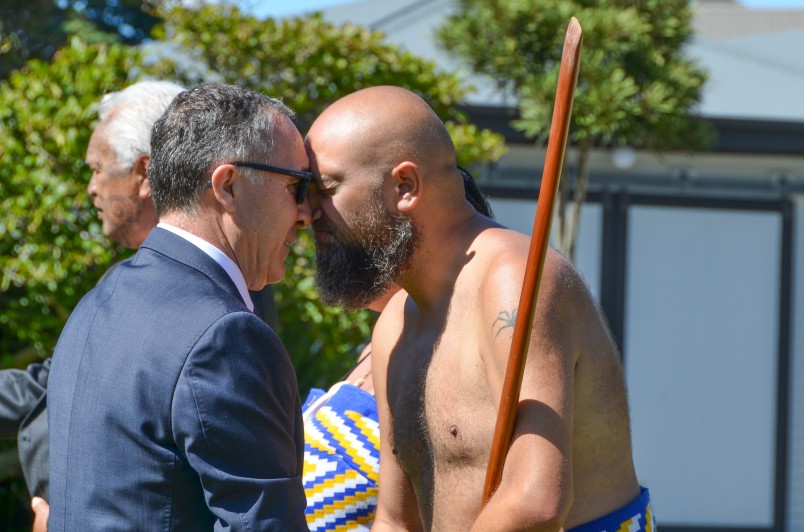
(218,256)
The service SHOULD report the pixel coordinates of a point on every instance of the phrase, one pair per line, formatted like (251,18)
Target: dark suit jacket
(23,407)
(23,414)
(171,406)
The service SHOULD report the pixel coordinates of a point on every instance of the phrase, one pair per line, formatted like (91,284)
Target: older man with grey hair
(118,155)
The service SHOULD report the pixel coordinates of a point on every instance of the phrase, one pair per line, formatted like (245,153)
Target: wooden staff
(554,161)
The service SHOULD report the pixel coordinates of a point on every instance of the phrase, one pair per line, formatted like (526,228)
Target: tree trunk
(570,215)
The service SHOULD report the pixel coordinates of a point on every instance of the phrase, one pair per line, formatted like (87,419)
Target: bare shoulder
(562,282)
(502,266)
(504,253)
(564,301)
(501,258)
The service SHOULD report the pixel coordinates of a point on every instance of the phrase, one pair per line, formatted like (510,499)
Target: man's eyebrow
(326,181)
(319,178)
(337,177)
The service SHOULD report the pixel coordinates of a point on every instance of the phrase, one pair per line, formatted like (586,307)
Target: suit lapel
(171,245)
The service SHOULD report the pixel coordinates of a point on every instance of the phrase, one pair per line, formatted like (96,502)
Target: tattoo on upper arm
(505,319)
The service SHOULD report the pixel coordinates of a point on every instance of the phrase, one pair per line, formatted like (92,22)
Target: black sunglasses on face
(301,186)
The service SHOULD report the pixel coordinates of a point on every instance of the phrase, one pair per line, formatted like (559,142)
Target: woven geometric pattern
(636,516)
(638,523)
(342,460)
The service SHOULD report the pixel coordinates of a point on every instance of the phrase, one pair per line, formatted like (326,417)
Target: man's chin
(274,277)
(330,294)
(346,305)
(113,235)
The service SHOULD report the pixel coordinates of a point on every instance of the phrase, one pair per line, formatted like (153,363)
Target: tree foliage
(635,86)
(51,246)
(310,63)
(36,29)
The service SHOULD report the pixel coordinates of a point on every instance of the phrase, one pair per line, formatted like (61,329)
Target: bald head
(387,192)
(379,127)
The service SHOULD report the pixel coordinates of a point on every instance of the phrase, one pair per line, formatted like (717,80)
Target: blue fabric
(312,397)
(633,517)
(20,390)
(341,459)
(171,406)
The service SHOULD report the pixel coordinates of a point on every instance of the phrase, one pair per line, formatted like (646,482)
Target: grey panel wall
(701,352)
(795,506)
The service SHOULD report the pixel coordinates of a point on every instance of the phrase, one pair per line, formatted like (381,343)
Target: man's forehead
(335,125)
(99,147)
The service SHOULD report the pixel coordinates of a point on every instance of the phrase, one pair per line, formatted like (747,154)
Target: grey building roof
(755,58)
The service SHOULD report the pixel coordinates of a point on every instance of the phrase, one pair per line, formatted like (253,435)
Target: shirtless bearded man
(389,207)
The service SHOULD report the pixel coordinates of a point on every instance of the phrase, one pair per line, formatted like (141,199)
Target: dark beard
(353,272)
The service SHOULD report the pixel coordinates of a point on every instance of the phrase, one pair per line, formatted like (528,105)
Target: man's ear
(223,180)
(408,185)
(140,171)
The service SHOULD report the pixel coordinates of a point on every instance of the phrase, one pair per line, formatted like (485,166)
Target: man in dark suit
(172,405)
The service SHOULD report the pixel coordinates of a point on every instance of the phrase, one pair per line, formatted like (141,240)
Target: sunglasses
(301,186)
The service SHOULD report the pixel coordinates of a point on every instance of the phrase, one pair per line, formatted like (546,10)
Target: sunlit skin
(41,510)
(440,347)
(271,223)
(255,223)
(360,375)
(122,196)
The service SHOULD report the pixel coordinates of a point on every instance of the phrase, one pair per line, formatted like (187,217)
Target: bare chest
(442,410)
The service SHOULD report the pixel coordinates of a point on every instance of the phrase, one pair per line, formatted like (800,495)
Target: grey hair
(203,127)
(130,114)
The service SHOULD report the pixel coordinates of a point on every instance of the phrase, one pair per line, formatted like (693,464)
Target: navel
(454,431)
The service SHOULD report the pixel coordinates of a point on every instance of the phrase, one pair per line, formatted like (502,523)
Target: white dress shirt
(218,256)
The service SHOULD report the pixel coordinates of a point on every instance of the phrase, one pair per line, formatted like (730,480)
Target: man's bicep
(499,312)
(549,360)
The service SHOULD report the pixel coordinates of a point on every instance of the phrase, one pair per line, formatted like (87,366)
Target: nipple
(454,431)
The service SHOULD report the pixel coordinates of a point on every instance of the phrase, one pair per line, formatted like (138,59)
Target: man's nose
(306,213)
(315,204)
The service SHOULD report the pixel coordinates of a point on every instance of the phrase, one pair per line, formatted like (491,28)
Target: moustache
(322,225)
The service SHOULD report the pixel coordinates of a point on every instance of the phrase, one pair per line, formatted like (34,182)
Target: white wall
(701,353)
